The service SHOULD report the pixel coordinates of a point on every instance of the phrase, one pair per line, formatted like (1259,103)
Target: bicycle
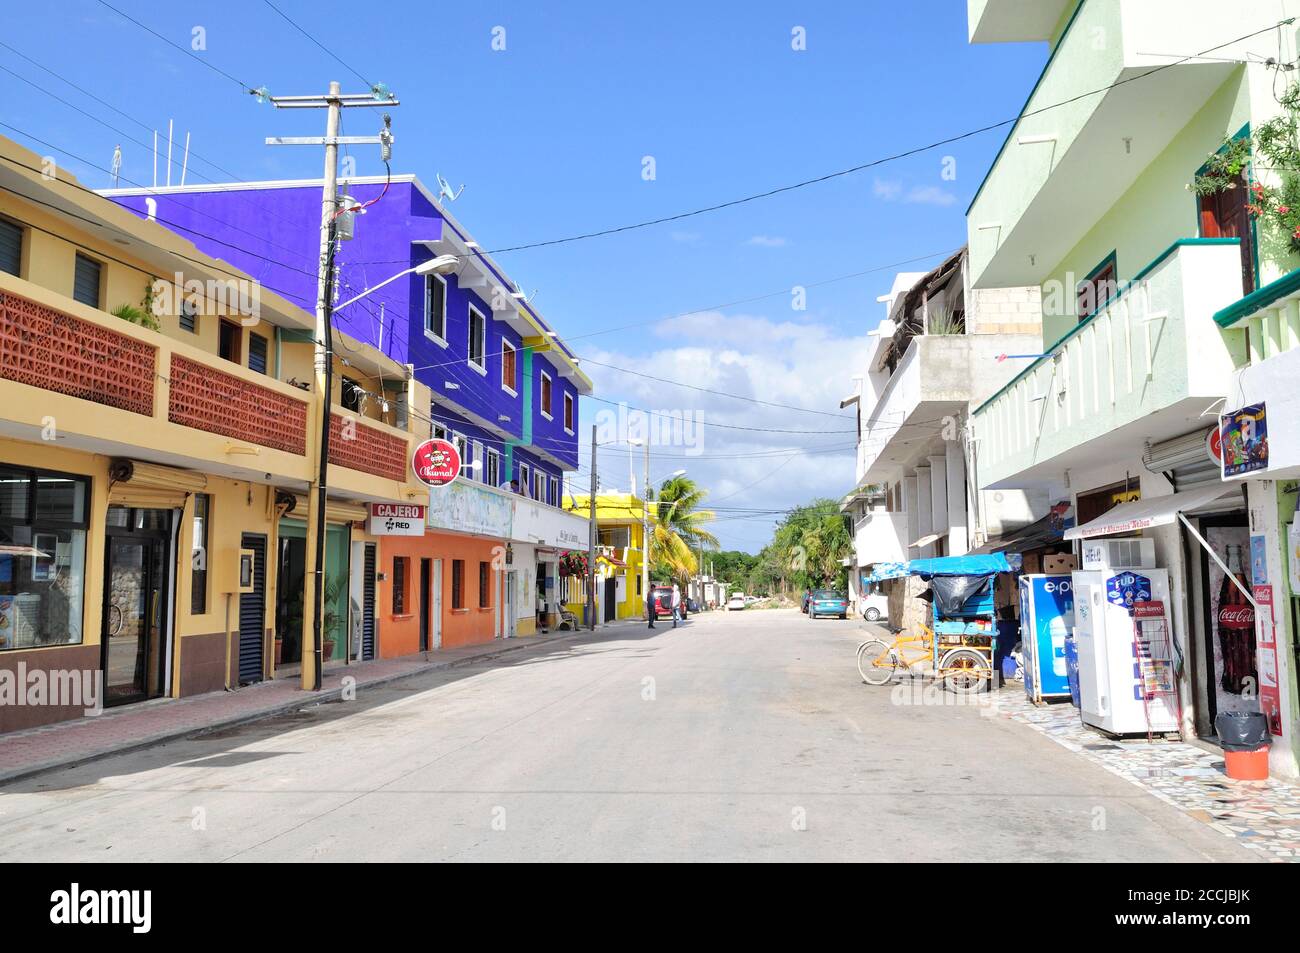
(963,669)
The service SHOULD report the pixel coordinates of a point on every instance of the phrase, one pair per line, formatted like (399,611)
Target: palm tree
(677,526)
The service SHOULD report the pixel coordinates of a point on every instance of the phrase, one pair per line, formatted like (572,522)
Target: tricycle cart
(959,645)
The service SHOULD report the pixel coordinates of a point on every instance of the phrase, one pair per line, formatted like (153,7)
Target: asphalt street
(737,736)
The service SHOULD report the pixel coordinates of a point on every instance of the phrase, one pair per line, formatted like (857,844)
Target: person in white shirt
(677,604)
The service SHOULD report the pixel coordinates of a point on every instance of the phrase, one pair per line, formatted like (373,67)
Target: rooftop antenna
(444,189)
(116,168)
(169,153)
(185,162)
(155,158)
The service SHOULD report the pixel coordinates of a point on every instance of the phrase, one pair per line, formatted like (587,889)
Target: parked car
(736,602)
(875,606)
(661,601)
(828,602)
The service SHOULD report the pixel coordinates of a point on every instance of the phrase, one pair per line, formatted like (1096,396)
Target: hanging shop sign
(396,519)
(436,462)
(1243,436)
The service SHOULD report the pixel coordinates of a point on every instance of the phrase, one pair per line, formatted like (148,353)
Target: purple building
(504,386)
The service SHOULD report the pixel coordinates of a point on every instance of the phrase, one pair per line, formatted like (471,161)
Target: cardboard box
(1057,565)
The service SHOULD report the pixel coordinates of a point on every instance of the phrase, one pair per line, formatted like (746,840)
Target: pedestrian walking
(677,604)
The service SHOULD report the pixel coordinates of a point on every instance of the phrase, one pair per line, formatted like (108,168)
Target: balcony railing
(1154,346)
(207,399)
(57,352)
(358,446)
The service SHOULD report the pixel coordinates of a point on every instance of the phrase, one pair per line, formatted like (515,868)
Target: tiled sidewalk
(1263,815)
(23,753)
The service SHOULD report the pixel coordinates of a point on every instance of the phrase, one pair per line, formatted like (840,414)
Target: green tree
(677,528)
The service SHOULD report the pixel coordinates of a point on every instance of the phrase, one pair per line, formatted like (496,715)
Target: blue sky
(549,137)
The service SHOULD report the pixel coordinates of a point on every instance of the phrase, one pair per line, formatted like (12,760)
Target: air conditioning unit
(1105,554)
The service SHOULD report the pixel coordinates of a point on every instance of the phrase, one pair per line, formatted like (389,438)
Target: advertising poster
(1244,440)
(1231,638)
(1270,694)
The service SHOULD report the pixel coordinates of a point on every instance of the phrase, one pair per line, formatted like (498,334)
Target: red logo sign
(436,462)
(1214,445)
(1155,609)
(1240,616)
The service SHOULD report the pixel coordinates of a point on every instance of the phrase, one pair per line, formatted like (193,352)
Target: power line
(320,45)
(190,53)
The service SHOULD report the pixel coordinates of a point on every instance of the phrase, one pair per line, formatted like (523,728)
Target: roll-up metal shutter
(368,604)
(1184,460)
(252,613)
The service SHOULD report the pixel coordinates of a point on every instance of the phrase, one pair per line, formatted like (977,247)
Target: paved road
(739,736)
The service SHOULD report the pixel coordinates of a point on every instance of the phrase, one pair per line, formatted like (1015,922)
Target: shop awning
(1045,532)
(1151,511)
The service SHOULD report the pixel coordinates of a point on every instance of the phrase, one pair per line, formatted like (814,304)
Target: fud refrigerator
(1127,677)
(1046,617)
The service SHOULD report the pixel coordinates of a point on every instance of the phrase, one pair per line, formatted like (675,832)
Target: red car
(661,603)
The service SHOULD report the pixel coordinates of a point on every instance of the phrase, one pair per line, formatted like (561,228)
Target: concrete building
(941,349)
(155,459)
(1152,320)
(504,387)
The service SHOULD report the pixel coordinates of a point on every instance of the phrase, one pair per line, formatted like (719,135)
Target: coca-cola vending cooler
(1126,679)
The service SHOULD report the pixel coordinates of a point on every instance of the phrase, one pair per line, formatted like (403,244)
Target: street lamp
(442,265)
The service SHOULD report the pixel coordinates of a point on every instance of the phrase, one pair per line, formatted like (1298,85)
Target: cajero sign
(396,519)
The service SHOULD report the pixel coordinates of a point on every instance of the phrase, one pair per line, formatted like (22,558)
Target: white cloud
(685,237)
(891,190)
(794,362)
(767,241)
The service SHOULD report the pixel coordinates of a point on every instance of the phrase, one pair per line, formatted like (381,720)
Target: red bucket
(1247,765)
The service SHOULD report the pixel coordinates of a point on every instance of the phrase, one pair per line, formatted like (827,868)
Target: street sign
(396,519)
(436,462)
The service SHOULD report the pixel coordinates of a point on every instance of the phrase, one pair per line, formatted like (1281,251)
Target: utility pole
(591,540)
(645,524)
(314,570)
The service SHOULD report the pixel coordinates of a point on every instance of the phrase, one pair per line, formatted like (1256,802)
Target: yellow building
(620,552)
(153,481)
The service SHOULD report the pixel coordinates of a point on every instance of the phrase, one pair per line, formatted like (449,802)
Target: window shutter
(85,283)
(11,247)
(257,353)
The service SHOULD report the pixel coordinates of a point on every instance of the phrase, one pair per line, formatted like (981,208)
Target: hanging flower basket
(573,564)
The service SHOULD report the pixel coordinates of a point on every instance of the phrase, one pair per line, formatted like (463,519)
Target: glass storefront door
(135,618)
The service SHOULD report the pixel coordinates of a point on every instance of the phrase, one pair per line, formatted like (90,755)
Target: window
(11,247)
(568,413)
(523,478)
(620,537)
(189,316)
(546,395)
(435,307)
(257,353)
(43,519)
(86,281)
(351,394)
(228,339)
(553,496)
(539,486)
(458,583)
(440,432)
(482,464)
(1226,214)
(1097,290)
(509,380)
(462,447)
(399,585)
(492,468)
(199,555)
(483,600)
(477,340)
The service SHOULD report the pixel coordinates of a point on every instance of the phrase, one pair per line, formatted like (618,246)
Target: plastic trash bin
(1244,737)
(1072,668)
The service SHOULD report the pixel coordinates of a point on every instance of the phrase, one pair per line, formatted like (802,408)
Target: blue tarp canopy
(985,564)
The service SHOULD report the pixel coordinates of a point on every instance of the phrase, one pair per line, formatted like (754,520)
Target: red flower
(1284,209)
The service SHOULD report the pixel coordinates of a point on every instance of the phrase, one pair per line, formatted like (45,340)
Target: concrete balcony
(880,536)
(925,400)
(1085,141)
(1015,21)
(1144,369)
(100,384)
(474,509)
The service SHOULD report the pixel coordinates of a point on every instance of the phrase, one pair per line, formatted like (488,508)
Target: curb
(311,700)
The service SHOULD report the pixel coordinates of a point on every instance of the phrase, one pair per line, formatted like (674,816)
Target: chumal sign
(436,462)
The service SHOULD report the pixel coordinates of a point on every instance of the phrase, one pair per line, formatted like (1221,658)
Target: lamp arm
(386,281)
